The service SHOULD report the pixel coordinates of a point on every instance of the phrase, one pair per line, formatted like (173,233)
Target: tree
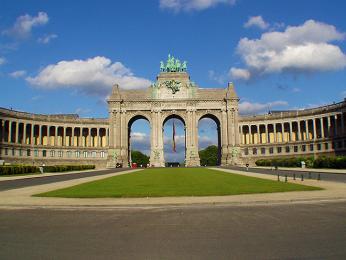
(139,158)
(209,156)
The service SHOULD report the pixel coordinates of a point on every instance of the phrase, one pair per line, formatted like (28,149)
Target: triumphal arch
(173,95)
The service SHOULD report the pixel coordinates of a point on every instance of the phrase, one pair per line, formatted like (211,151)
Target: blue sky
(63,56)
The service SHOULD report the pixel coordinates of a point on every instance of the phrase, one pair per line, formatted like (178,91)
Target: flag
(173,141)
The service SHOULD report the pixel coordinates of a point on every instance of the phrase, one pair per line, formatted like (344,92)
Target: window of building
(102,154)
(36,153)
(93,154)
(295,148)
(6,151)
(13,152)
(52,153)
(69,154)
(28,152)
(44,153)
(77,154)
(254,151)
(303,148)
(246,151)
(333,145)
(319,147)
(340,144)
(311,147)
(85,154)
(271,150)
(60,153)
(326,146)
(263,150)
(287,149)
(20,152)
(279,149)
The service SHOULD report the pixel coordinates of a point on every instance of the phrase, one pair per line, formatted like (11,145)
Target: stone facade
(67,139)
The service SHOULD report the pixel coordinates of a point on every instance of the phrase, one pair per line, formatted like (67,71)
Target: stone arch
(132,118)
(173,115)
(217,121)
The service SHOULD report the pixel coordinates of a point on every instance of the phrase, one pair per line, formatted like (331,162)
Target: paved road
(324,176)
(294,231)
(21,183)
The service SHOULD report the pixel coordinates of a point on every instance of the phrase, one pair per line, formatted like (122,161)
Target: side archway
(209,139)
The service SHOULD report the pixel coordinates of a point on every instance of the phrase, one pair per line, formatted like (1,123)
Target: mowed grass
(164,182)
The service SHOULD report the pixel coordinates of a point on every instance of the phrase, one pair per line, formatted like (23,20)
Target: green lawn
(163,182)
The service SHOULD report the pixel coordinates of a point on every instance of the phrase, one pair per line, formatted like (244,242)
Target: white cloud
(256,21)
(18,74)
(192,5)
(94,76)
(219,78)
(2,60)
(304,48)
(296,90)
(47,38)
(246,107)
(24,24)
(237,73)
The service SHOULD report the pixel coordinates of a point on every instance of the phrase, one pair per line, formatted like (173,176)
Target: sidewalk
(40,175)
(21,198)
(335,171)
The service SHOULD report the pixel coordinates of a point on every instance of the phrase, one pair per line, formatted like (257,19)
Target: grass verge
(166,182)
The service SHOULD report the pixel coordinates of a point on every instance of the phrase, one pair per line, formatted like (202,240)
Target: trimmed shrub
(18,169)
(65,168)
(338,162)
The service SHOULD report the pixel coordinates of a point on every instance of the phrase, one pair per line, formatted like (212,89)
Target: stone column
(16,138)
(299,131)
(192,157)
(72,136)
(258,135)
(314,127)
(275,133)
(24,133)
(307,129)
(328,126)
(39,135)
(335,125)
(250,135)
(9,139)
(290,125)
(48,135)
(56,135)
(156,154)
(282,132)
(266,132)
(32,135)
(322,127)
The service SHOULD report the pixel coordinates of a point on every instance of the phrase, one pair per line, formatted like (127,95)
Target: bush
(18,169)
(338,162)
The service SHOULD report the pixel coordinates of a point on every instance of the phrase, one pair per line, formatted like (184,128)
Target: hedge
(65,168)
(18,169)
(25,169)
(338,162)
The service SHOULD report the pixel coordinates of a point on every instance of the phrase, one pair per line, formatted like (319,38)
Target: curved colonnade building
(67,139)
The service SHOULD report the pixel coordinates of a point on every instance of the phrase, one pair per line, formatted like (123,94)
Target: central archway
(174,143)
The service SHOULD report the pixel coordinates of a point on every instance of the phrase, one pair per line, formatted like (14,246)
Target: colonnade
(295,130)
(24,133)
